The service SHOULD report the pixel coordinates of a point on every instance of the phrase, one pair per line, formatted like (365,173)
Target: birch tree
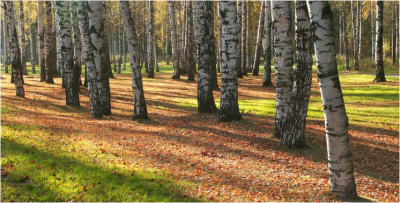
(229,106)
(340,164)
(259,41)
(32,39)
(70,72)
(293,135)
(267,80)
(239,44)
(49,60)
(16,67)
(151,42)
(174,45)
(106,39)
(190,42)
(283,62)
(166,39)
(22,37)
(41,42)
(359,29)
(346,43)
(380,73)
(140,109)
(77,39)
(100,76)
(5,44)
(202,18)
(243,40)
(120,39)
(355,42)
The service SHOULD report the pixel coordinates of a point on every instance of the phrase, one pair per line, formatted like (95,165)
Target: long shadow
(143,188)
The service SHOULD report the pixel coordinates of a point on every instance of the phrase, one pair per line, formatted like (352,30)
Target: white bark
(336,122)
(32,39)
(202,17)
(67,52)
(5,45)
(259,41)
(267,45)
(283,62)
(175,58)
(229,107)
(190,43)
(22,37)
(359,29)
(139,102)
(14,50)
(77,39)
(239,44)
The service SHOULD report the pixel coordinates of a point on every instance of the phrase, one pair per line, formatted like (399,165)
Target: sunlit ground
(53,152)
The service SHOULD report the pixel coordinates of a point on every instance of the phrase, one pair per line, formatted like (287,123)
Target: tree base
(49,81)
(150,75)
(268,84)
(139,117)
(230,118)
(176,77)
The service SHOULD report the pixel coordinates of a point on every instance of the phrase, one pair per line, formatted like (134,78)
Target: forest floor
(53,152)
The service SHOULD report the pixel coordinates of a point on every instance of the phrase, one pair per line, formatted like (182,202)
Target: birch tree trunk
(213,57)
(346,43)
(140,109)
(70,72)
(77,40)
(243,41)
(372,33)
(239,44)
(190,43)
(259,41)
(22,36)
(49,60)
(151,41)
(229,106)
(98,75)
(248,48)
(220,40)
(32,38)
(355,42)
(203,18)
(41,42)
(58,39)
(359,29)
(283,62)
(5,44)
(380,73)
(293,135)
(166,39)
(394,33)
(267,80)
(340,30)
(120,31)
(123,50)
(336,122)
(175,58)
(106,39)
(16,67)
(95,109)
(397,31)
(182,39)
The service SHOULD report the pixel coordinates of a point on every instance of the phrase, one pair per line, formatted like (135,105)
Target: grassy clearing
(51,152)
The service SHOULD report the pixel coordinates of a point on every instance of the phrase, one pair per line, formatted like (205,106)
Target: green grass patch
(34,172)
